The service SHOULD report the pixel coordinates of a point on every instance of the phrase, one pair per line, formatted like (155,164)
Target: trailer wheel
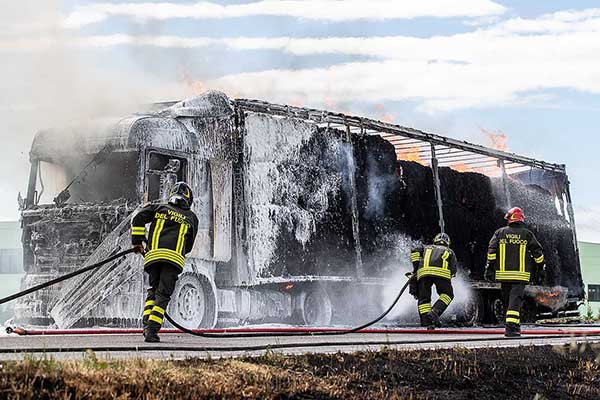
(497,310)
(315,307)
(194,302)
(473,310)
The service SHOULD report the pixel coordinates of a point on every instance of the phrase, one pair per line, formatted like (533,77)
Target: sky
(527,69)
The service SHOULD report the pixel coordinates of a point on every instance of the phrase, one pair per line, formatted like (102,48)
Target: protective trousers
(162,277)
(446,294)
(512,298)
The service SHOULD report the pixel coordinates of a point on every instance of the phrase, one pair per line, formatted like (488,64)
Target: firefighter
(173,227)
(512,254)
(434,265)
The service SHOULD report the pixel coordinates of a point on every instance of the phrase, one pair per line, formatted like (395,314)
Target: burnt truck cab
(87,179)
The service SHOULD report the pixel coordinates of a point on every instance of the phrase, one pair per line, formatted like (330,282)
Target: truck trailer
(305,215)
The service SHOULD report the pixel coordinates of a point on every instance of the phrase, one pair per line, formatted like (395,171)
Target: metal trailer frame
(435,150)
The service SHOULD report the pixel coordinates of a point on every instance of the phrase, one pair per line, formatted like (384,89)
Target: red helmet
(515,215)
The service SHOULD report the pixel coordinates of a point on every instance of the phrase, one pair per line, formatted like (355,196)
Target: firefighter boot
(151,333)
(426,321)
(435,319)
(512,330)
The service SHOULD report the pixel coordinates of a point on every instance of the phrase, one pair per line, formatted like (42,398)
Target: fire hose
(321,332)
(242,332)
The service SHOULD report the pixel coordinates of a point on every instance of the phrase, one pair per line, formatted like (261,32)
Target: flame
(460,167)
(197,86)
(382,115)
(547,298)
(329,103)
(497,140)
(297,102)
(411,154)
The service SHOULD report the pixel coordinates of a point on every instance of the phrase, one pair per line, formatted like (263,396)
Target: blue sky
(529,69)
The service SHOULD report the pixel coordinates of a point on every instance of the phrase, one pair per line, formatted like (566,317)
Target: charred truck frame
(304,214)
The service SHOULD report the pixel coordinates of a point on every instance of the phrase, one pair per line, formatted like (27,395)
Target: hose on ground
(310,333)
(202,334)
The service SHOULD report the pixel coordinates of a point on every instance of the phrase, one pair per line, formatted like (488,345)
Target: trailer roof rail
(408,140)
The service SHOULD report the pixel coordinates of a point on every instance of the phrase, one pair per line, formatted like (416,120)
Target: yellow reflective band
(183,228)
(164,254)
(446,299)
(502,256)
(513,320)
(159,310)
(427,257)
(445,257)
(539,260)
(512,276)
(433,271)
(155,319)
(156,235)
(147,312)
(138,231)
(424,308)
(522,253)
(149,303)
(513,313)
(492,256)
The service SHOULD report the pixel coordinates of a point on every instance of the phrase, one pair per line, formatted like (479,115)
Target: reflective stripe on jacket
(512,253)
(171,234)
(435,261)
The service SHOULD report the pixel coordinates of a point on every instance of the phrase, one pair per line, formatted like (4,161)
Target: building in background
(590,270)
(11,264)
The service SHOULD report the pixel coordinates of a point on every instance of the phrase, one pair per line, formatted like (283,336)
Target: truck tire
(497,310)
(194,302)
(314,307)
(472,310)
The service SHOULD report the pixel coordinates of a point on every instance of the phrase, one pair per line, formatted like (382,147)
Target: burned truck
(305,215)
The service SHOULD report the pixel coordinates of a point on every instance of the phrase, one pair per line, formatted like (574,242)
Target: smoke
(405,311)
(53,83)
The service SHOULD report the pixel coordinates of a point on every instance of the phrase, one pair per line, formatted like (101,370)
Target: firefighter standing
(173,228)
(512,252)
(434,265)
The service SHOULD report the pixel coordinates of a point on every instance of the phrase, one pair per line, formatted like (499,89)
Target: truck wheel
(194,302)
(473,310)
(497,309)
(314,306)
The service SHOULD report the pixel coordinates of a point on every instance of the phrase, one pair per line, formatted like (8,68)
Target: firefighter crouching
(512,253)
(173,228)
(433,265)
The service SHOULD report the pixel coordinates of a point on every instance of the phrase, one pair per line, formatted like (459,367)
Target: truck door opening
(162,171)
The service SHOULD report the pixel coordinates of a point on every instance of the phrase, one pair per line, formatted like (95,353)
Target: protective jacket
(171,234)
(513,252)
(435,261)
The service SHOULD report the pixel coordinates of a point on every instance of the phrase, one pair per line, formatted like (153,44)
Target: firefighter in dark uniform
(434,265)
(173,228)
(512,254)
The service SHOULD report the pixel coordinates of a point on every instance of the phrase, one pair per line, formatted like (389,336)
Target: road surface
(179,346)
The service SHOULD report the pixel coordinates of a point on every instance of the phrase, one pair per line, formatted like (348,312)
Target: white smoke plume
(53,84)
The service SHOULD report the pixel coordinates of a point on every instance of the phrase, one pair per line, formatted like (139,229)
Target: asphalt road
(178,346)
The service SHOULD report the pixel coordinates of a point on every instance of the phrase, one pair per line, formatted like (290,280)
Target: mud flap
(92,290)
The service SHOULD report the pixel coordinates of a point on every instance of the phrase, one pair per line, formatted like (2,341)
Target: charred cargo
(304,214)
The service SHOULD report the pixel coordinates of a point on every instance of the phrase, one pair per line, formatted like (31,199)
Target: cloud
(588,224)
(507,63)
(325,10)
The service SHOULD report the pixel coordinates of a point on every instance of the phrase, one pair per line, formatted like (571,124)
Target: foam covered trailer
(306,216)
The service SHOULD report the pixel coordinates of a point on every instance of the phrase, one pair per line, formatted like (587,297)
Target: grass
(518,373)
